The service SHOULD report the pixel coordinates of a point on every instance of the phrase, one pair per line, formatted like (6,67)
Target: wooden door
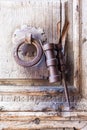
(41,14)
(27,99)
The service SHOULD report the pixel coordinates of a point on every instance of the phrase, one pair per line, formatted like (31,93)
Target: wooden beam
(76,42)
(37,124)
(24,116)
(35,90)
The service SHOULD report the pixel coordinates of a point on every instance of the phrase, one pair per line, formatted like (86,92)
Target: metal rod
(62,38)
(66,89)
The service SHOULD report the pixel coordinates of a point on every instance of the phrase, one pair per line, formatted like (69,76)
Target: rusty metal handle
(36,59)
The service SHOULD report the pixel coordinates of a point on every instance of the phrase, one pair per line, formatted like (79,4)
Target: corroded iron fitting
(27,45)
(52,63)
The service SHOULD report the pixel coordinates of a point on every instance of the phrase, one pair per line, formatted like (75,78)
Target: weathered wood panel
(43,14)
(28,117)
(84,48)
(43,129)
(42,125)
(24,116)
(18,102)
(76,42)
(25,98)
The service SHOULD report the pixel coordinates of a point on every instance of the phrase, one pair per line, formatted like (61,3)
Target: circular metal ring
(32,62)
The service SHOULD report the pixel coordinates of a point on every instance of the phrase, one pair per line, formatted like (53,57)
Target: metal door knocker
(28,51)
(33,61)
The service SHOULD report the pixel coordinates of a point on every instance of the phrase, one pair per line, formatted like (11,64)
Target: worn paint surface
(34,13)
(26,103)
(84,48)
(43,14)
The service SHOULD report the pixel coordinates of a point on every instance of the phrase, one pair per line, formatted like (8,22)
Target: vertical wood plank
(76,42)
(84,48)
(56,19)
(69,42)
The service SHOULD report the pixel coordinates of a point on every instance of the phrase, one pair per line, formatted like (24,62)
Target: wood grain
(49,14)
(84,49)
(19,13)
(41,125)
(27,100)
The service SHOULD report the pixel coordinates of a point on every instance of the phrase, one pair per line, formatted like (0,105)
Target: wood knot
(37,121)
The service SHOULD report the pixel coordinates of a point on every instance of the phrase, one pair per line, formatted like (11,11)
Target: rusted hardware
(32,62)
(55,54)
(61,57)
(51,61)
(27,45)
(56,61)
